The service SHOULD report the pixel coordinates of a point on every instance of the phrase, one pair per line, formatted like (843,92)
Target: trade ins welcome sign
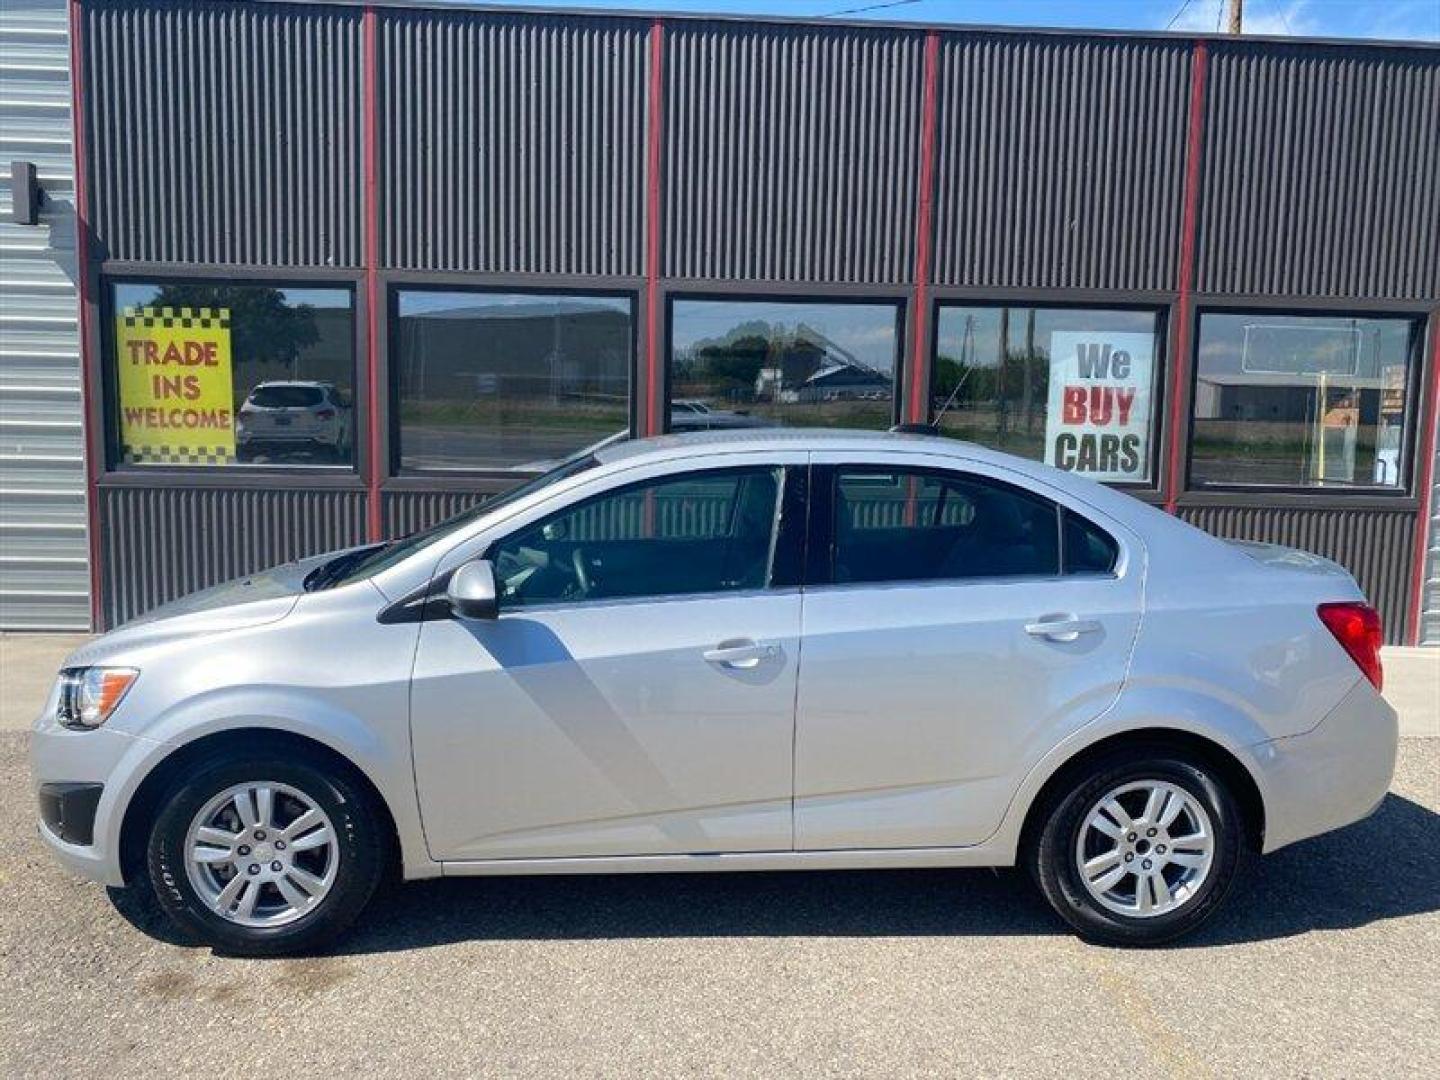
(1098,421)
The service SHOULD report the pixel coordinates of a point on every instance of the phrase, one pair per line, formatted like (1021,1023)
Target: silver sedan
(761,650)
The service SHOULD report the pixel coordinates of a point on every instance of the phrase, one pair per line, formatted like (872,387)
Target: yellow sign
(177,406)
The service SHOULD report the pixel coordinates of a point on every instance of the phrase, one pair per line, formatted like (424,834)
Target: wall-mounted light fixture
(25,193)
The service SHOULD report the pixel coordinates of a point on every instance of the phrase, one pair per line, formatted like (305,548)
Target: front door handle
(740,653)
(1061,627)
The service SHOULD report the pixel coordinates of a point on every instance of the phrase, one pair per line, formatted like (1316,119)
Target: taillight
(1357,628)
(325,414)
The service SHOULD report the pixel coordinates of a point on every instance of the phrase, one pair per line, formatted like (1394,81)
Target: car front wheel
(265,855)
(1140,848)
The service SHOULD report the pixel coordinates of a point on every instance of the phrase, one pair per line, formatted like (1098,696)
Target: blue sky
(1415,20)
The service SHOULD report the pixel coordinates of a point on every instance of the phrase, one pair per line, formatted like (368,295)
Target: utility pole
(1237,16)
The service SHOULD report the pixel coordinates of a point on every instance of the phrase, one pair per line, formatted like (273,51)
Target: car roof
(751,440)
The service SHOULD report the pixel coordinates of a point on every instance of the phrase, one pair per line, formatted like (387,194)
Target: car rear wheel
(1140,848)
(262,856)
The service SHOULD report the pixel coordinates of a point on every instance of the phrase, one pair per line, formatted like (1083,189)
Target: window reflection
(223,374)
(1072,387)
(1300,401)
(750,363)
(512,381)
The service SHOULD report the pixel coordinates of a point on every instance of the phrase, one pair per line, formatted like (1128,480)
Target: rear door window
(926,525)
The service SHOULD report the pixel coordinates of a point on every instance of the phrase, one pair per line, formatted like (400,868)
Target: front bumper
(85,767)
(1333,775)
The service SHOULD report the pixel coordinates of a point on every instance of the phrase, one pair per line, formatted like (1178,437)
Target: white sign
(1098,420)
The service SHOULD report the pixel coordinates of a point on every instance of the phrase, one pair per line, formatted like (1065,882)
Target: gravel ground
(1326,963)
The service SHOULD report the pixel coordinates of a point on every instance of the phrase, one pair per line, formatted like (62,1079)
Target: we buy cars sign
(1098,421)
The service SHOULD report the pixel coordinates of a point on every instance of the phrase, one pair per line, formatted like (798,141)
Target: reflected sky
(866,331)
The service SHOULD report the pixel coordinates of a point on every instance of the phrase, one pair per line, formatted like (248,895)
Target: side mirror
(472,593)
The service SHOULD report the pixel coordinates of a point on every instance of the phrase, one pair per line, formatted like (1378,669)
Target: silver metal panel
(1374,545)
(1060,161)
(44,553)
(512,144)
(226,133)
(791,152)
(162,543)
(1322,172)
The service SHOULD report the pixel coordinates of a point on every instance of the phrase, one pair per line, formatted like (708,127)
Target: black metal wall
(225,133)
(1321,173)
(164,542)
(1061,161)
(508,144)
(791,153)
(513,144)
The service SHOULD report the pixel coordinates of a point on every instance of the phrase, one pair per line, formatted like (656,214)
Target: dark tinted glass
(509,381)
(700,533)
(900,526)
(204,374)
(1301,401)
(1069,386)
(1088,550)
(764,363)
(285,396)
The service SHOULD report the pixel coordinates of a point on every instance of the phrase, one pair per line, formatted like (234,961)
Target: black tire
(361,849)
(1052,860)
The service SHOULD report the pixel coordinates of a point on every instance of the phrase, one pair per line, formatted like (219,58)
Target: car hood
(246,602)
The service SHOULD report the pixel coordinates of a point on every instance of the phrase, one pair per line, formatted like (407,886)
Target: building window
(765,363)
(1300,401)
(216,373)
(509,381)
(1073,387)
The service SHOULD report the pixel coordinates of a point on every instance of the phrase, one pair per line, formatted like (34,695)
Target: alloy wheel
(261,854)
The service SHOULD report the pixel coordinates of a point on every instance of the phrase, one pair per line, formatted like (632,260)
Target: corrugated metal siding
(791,153)
(160,544)
(225,133)
(1322,172)
(409,511)
(512,145)
(1374,545)
(44,557)
(1060,161)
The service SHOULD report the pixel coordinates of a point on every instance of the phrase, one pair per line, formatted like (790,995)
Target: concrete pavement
(28,663)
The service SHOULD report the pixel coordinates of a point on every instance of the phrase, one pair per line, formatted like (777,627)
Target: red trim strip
(1180,360)
(89,358)
(1426,448)
(374,523)
(920,317)
(653,383)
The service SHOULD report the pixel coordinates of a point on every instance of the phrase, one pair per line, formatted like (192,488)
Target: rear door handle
(741,653)
(1061,627)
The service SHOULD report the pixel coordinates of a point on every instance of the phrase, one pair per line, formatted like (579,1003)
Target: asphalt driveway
(1326,964)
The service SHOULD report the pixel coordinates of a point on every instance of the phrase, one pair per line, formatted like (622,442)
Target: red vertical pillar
(920,318)
(1176,428)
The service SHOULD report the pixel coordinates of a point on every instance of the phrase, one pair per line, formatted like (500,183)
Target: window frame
(422,479)
(746,292)
(1157,305)
(115,472)
(787,540)
(821,547)
(1345,496)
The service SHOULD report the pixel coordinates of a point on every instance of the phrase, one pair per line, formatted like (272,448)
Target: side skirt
(863,859)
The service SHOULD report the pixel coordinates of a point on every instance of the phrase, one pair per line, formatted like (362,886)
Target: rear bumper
(1333,775)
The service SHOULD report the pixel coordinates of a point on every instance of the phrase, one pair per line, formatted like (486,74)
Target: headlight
(88,695)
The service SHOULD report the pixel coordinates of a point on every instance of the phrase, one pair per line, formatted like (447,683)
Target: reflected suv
(279,418)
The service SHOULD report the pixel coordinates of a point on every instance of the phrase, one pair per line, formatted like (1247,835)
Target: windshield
(369,561)
(285,397)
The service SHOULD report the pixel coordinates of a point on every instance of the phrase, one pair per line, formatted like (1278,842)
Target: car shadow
(1329,883)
